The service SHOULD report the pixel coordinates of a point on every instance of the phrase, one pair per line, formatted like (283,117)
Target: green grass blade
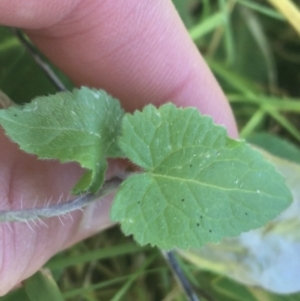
(42,287)
(83,290)
(276,146)
(208,25)
(277,103)
(15,295)
(256,29)
(122,291)
(60,263)
(225,7)
(104,284)
(261,9)
(233,79)
(285,124)
(252,124)
(9,44)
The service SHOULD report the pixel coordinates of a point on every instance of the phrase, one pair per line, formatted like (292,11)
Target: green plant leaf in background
(184,9)
(81,126)
(20,77)
(15,295)
(276,146)
(42,287)
(254,59)
(199,186)
(232,290)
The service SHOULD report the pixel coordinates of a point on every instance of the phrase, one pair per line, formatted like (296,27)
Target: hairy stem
(59,209)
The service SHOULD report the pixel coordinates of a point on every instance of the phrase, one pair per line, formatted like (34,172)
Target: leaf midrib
(155,175)
(51,128)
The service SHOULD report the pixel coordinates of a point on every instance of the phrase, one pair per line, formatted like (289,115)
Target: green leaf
(232,290)
(42,287)
(18,294)
(81,126)
(184,9)
(278,243)
(276,146)
(198,186)
(20,76)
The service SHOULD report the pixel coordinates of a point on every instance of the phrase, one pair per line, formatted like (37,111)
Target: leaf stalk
(59,209)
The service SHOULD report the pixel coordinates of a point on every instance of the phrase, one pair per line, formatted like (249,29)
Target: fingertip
(141,54)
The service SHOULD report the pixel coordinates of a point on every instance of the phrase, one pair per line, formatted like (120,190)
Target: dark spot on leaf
(191,165)
(201,216)
(198,224)
(182,200)
(246,213)
(139,202)
(210,230)
(15,115)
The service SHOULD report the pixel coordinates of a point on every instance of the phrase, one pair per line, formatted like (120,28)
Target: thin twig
(182,279)
(58,209)
(38,59)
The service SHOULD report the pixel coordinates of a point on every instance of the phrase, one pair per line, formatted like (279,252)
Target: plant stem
(31,214)
(38,59)
(184,282)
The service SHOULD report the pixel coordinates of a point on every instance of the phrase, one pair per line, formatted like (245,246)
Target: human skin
(137,50)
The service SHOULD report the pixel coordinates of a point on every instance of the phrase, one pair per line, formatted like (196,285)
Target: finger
(139,51)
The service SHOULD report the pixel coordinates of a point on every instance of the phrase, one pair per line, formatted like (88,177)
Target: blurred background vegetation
(253,48)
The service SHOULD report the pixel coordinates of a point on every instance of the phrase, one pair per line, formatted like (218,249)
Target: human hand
(138,51)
